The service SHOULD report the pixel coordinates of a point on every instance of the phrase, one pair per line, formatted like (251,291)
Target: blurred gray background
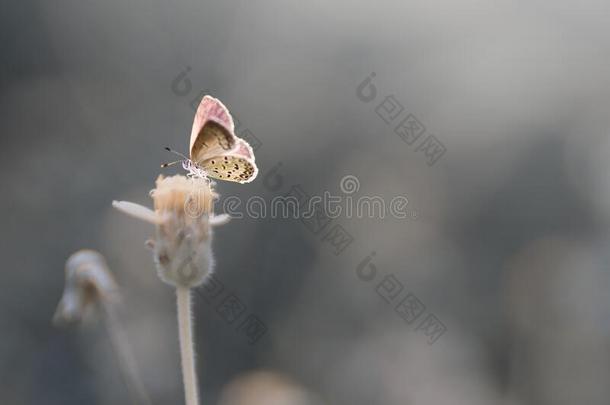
(509,248)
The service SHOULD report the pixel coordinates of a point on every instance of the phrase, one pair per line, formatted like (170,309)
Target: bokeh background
(509,247)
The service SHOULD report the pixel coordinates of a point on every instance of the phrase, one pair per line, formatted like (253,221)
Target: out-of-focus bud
(88,280)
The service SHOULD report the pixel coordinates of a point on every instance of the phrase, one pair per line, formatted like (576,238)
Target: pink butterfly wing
(213,130)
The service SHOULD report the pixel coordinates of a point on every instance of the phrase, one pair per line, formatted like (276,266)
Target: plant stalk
(187,352)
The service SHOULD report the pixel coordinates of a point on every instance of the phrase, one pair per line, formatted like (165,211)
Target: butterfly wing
(237,165)
(212,133)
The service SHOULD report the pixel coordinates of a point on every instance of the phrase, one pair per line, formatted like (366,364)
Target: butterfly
(215,150)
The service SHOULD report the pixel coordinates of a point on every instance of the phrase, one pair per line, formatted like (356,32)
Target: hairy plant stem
(187,352)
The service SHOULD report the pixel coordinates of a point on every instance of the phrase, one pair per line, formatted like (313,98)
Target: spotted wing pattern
(238,165)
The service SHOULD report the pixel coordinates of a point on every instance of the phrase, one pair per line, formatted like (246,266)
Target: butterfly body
(214,147)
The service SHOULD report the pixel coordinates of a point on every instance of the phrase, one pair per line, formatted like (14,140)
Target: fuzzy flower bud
(182,247)
(88,280)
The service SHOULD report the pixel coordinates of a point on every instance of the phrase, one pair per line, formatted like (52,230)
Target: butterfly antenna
(170,163)
(167,148)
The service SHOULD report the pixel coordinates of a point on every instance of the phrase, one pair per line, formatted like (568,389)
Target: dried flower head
(88,280)
(192,197)
(182,247)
